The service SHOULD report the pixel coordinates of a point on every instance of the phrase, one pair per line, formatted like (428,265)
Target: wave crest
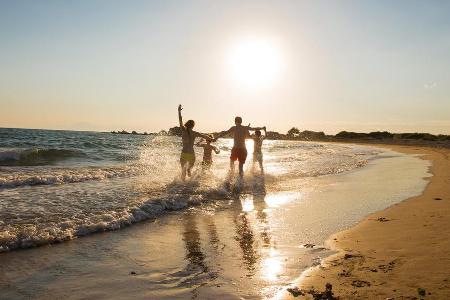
(37,157)
(62,176)
(34,235)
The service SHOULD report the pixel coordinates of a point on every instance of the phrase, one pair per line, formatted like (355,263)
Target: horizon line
(150,132)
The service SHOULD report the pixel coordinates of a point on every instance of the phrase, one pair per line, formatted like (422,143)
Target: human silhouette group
(238,153)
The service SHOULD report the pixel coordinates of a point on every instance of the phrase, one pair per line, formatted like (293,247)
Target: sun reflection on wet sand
(263,261)
(279,199)
(271,267)
(253,227)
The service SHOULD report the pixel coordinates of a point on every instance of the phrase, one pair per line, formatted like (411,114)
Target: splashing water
(59,185)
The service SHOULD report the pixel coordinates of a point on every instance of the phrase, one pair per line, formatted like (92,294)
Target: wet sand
(402,252)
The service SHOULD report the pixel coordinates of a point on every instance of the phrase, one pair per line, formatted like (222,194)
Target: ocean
(58,185)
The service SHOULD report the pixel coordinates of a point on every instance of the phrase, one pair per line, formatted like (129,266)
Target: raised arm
(180,118)
(254,128)
(265,132)
(217,150)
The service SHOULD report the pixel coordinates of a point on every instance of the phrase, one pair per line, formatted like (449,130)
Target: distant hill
(344,136)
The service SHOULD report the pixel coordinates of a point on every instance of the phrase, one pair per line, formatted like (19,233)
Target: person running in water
(187,157)
(239,151)
(207,153)
(257,152)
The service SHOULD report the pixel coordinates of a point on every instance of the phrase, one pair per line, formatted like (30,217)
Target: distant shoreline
(376,137)
(379,137)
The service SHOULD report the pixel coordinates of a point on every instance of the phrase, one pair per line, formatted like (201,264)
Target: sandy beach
(402,252)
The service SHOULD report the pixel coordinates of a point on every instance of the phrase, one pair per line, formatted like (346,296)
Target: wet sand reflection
(191,237)
(245,238)
(250,219)
(206,249)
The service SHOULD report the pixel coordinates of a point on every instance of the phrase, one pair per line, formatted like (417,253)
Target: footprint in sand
(388,267)
(345,273)
(360,283)
(348,256)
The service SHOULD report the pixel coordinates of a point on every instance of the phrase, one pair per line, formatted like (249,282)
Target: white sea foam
(36,234)
(18,177)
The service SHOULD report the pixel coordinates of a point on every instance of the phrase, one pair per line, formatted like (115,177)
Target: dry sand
(402,252)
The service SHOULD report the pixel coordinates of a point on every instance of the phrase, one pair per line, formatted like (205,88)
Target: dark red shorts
(238,154)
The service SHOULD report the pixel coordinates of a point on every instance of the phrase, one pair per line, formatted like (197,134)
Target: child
(257,152)
(207,153)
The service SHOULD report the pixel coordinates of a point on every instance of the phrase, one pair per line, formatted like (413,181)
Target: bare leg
(183,169)
(231,168)
(241,169)
(261,166)
(189,168)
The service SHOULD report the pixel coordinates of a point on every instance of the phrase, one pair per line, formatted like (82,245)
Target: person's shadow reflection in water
(244,233)
(245,238)
(192,240)
(197,273)
(260,205)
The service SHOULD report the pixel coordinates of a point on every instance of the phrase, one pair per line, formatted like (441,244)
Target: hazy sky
(341,65)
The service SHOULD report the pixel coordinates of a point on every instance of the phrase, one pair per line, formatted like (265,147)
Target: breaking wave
(37,157)
(55,176)
(179,196)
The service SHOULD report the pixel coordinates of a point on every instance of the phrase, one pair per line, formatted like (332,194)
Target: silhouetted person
(207,153)
(187,157)
(257,151)
(239,151)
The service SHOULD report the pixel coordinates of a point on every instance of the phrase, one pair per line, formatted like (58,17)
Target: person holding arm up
(188,135)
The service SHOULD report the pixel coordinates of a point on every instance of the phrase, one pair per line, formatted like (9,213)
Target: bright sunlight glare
(255,63)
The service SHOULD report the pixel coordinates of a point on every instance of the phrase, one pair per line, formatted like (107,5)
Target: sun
(255,62)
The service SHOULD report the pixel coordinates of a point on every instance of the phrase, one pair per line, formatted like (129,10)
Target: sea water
(208,237)
(59,185)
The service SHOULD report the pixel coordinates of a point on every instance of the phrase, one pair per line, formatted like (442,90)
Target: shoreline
(250,246)
(401,252)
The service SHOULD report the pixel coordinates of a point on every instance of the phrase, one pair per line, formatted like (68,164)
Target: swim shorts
(188,157)
(238,154)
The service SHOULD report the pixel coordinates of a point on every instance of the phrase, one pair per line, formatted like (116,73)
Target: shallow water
(59,185)
(248,246)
